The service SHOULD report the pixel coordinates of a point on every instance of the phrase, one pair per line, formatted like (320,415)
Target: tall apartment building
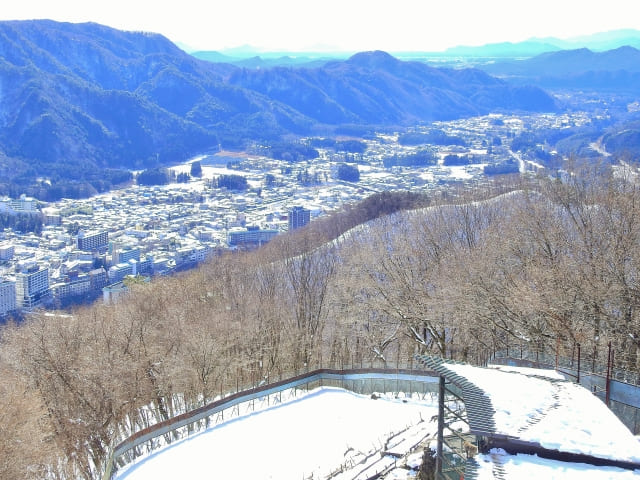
(298,217)
(145,266)
(32,287)
(52,216)
(6,252)
(7,297)
(92,241)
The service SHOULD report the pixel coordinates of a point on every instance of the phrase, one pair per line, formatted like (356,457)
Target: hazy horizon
(356,25)
(246,48)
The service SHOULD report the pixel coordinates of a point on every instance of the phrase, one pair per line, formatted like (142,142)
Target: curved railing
(343,378)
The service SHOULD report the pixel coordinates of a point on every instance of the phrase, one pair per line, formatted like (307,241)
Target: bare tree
(27,448)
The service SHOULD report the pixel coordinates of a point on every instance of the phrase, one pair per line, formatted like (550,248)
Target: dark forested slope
(376,88)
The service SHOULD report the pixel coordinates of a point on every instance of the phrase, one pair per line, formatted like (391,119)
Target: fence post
(578,377)
(440,439)
(609,372)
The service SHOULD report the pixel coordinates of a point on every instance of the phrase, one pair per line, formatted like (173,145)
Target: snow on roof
(555,414)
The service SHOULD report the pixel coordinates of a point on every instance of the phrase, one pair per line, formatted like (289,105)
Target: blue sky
(349,25)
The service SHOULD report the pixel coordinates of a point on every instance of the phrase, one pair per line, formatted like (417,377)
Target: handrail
(232,400)
(574,366)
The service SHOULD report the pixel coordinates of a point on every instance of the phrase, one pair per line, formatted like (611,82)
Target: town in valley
(92,248)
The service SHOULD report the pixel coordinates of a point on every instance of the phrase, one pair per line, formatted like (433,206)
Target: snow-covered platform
(535,417)
(327,432)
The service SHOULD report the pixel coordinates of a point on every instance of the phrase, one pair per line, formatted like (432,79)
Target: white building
(79,285)
(23,204)
(123,255)
(194,253)
(121,270)
(7,297)
(32,286)
(250,236)
(6,252)
(52,216)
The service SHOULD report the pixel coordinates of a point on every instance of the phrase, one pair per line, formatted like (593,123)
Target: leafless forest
(544,262)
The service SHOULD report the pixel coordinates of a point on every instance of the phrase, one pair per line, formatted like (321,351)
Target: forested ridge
(545,263)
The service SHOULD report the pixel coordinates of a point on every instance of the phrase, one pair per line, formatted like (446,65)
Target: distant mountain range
(617,69)
(253,57)
(570,62)
(258,61)
(536,46)
(524,49)
(84,97)
(598,41)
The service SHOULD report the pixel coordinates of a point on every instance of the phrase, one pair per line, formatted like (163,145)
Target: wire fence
(600,361)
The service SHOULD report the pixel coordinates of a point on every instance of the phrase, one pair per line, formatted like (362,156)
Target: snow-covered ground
(316,434)
(537,406)
(309,437)
(558,415)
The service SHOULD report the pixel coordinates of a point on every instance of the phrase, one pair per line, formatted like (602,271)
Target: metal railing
(623,398)
(602,363)
(617,388)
